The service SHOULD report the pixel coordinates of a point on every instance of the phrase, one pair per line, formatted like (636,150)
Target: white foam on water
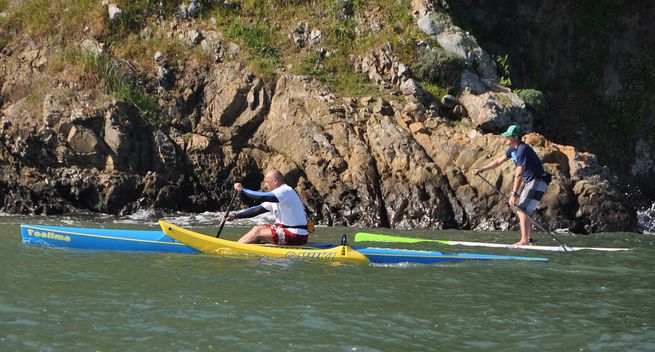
(646,219)
(151,217)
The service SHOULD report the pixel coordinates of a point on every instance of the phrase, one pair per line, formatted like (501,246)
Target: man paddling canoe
(528,169)
(290,221)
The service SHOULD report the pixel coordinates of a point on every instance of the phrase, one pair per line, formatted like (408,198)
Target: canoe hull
(102,239)
(213,245)
(394,256)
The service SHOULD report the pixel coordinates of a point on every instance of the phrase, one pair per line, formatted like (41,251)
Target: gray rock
(383,108)
(471,82)
(128,138)
(53,110)
(82,140)
(411,87)
(493,112)
(300,34)
(165,77)
(193,9)
(601,206)
(464,45)
(93,46)
(448,101)
(403,71)
(232,49)
(231,5)
(114,11)
(315,37)
(182,12)
(212,43)
(165,150)
(194,37)
(430,25)
(459,111)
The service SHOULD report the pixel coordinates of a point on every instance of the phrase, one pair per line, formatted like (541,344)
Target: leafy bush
(504,70)
(434,90)
(344,31)
(533,98)
(439,67)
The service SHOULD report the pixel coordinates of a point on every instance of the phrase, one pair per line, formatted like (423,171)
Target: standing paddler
(290,226)
(529,170)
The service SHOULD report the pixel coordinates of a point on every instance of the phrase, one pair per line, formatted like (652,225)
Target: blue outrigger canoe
(102,239)
(158,241)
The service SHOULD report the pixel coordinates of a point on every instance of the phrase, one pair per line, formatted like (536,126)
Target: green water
(54,299)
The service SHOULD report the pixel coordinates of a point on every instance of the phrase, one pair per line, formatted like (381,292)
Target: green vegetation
(337,71)
(3,7)
(434,90)
(504,70)
(467,123)
(260,27)
(140,52)
(438,67)
(533,98)
(106,72)
(118,81)
(43,18)
(342,42)
(256,38)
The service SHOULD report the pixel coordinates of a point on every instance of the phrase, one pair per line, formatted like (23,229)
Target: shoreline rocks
(388,160)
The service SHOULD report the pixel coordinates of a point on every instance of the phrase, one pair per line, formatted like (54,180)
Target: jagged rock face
(433,21)
(381,68)
(365,162)
(128,138)
(318,144)
(580,54)
(490,106)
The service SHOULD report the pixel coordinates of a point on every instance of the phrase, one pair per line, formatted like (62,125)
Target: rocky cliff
(595,63)
(174,132)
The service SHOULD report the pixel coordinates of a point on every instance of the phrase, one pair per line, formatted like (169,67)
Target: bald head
(273,179)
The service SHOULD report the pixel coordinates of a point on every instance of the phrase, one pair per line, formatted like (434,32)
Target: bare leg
(256,234)
(525,230)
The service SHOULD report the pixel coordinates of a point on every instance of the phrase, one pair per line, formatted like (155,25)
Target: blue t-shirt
(525,156)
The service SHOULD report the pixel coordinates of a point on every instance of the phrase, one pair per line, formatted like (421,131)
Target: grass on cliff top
(261,27)
(270,23)
(49,19)
(110,75)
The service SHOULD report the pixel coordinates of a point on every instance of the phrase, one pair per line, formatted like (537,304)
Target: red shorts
(286,237)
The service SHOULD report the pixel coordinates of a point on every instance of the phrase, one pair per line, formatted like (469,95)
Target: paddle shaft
(229,207)
(541,228)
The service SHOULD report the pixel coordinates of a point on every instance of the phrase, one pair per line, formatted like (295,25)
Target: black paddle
(229,206)
(565,247)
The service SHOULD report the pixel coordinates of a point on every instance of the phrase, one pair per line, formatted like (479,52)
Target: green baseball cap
(513,130)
